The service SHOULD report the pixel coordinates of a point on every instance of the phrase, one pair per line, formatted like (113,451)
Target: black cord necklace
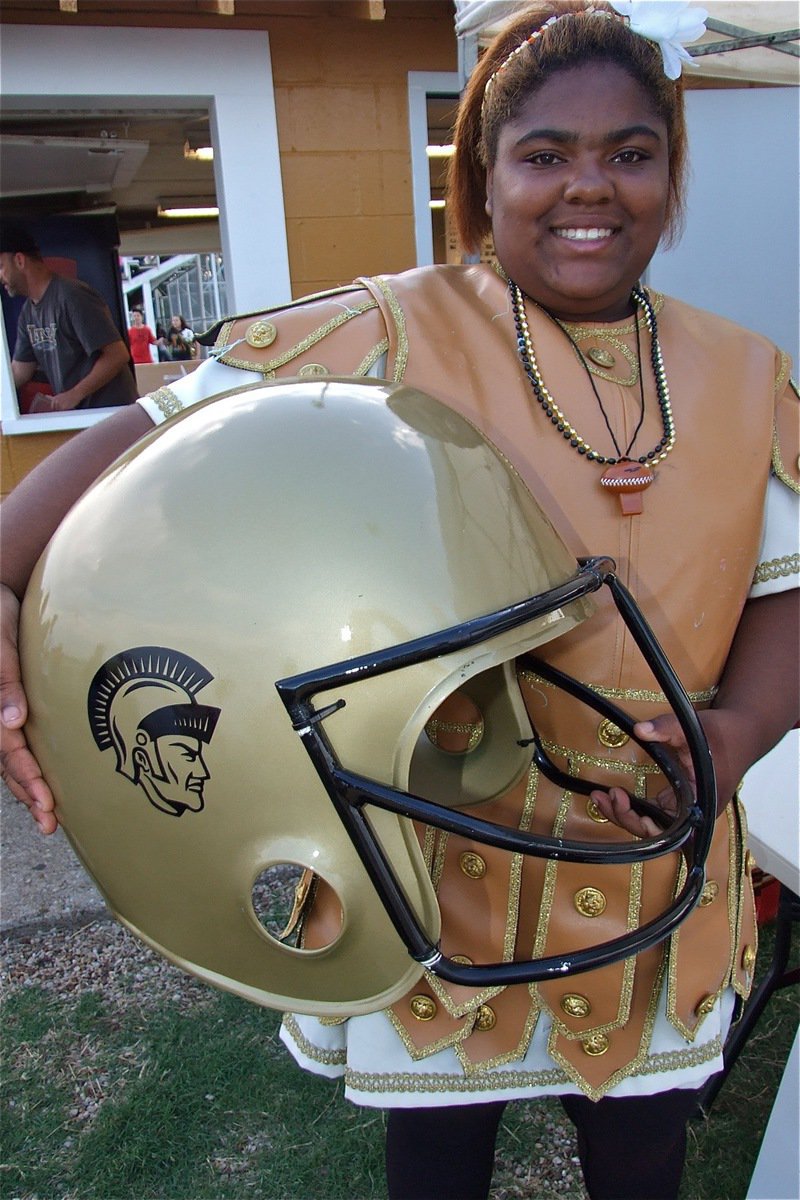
(625,476)
(623,455)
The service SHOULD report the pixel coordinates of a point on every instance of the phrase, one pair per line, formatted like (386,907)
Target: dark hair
(584,36)
(14,239)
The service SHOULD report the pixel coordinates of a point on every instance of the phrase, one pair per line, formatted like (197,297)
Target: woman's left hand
(725,735)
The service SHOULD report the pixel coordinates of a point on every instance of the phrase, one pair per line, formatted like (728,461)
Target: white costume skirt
(379,1072)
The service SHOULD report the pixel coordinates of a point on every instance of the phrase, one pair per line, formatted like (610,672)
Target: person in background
(162,343)
(140,338)
(65,330)
(181,340)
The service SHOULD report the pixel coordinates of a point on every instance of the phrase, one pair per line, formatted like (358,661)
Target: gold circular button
(423,1007)
(595,1045)
(485,1018)
(610,735)
(462,958)
(575,1005)
(749,958)
(312,371)
(594,812)
(705,1006)
(749,862)
(601,357)
(709,893)
(260,334)
(472,865)
(590,902)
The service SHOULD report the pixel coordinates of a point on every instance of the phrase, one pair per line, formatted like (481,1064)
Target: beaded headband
(666,23)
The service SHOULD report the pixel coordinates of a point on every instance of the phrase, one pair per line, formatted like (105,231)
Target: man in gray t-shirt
(65,330)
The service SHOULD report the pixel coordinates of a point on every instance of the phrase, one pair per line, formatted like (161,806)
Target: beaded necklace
(624,476)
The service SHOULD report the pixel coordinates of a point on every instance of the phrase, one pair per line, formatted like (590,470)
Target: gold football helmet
(232,647)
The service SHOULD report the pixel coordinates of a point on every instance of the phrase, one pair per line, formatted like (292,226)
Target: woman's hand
(18,767)
(726,738)
(757,703)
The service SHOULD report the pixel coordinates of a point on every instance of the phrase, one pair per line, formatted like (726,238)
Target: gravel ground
(68,962)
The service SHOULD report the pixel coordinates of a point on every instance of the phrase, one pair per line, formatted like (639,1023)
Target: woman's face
(578,192)
(176,322)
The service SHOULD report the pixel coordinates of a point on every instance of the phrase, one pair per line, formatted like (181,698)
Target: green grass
(197,1099)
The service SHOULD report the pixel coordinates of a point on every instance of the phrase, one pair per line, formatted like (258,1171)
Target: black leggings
(631,1148)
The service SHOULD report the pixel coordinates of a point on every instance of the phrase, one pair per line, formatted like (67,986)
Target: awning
(746,41)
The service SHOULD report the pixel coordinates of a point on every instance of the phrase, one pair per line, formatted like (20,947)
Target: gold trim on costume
(584,331)
(332,1058)
(467,1007)
(369,360)
(410,1081)
(517,863)
(395,307)
(429,847)
(783,373)
(268,369)
(548,889)
(672,968)
(519,1051)
(613,339)
(778,468)
(608,693)
(478,997)
(745,892)
(640,770)
(442,837)
(628,970)
(166,401)
(439,1083)
(778,568)
(627,1069)
(443,1043)
(225,326)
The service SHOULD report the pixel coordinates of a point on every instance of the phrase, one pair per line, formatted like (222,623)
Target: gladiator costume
(717,526)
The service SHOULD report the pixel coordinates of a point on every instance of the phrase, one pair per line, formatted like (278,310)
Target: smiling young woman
(577,192)
(645,429)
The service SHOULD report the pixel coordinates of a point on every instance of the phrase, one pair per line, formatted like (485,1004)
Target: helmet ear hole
(494,720)
(282,895)
(457,725)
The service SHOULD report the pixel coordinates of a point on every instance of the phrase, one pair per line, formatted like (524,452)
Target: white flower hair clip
(668,23)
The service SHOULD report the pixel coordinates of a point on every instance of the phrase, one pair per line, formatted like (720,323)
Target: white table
(771,793)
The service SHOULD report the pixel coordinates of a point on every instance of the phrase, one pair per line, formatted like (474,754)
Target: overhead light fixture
(188,207)
(436,204)
(198,148)
(440,151)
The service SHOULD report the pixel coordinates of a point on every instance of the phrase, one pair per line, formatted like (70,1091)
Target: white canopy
(725,52)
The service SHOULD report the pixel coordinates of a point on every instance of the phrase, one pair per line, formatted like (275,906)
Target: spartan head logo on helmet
(142,702)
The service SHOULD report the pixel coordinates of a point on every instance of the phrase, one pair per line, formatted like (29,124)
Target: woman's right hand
(18,767)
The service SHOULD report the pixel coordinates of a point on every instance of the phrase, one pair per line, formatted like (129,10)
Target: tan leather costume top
(689,558)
